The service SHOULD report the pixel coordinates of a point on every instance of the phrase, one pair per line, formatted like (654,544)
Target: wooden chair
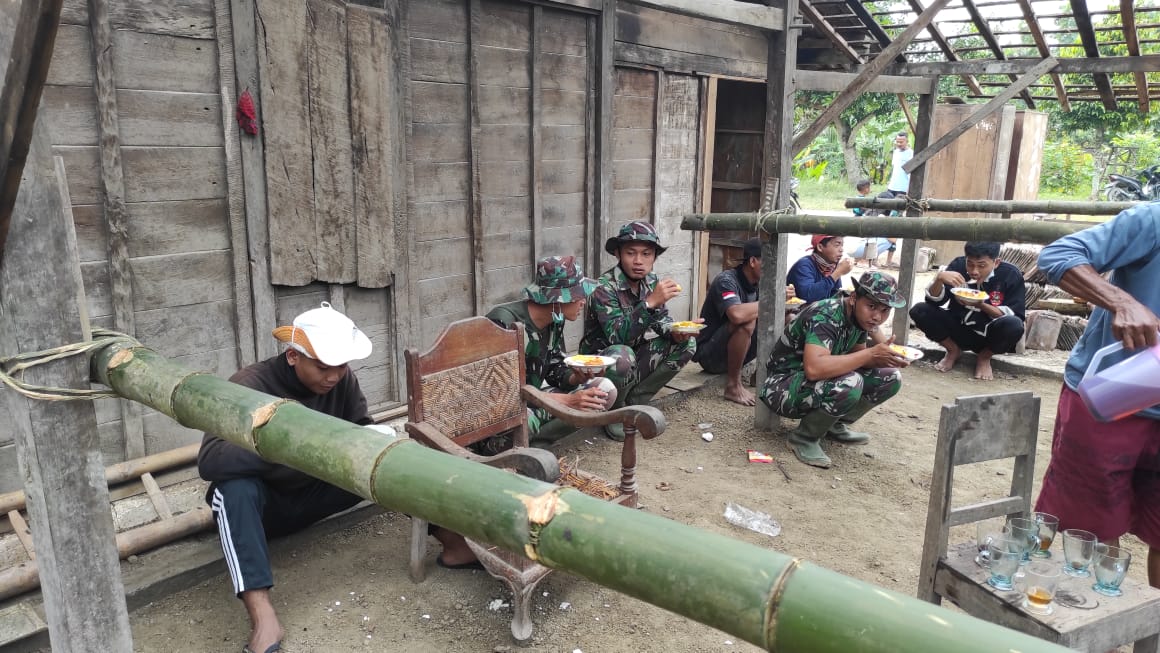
(1002,426)
(469,386)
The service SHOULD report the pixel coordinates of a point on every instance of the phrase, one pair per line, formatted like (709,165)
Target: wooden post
(658,116)
(535,139)
(245,25)
(705,182)
(244,335)
(779,91)
(908,257)
(56,441)
(116,215)
(474,135)
(27,35)
(606,85)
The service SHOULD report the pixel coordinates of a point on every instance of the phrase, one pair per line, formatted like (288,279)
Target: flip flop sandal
(273,648)
(474,564)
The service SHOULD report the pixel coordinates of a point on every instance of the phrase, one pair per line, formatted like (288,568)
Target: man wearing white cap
(252,498)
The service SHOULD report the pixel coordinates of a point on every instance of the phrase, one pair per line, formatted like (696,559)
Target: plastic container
(1123,389)
(754,520)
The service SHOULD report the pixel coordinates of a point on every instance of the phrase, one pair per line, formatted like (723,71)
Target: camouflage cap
(559,279)
(635,231)
(880,287)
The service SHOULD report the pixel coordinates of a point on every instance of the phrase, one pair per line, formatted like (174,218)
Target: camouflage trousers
(791,395)
(541,423)
(644,370)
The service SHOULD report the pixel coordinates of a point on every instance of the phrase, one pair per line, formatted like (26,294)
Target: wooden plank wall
(519,129)
(633,141)
(685,44)
(676,183)
(164,62)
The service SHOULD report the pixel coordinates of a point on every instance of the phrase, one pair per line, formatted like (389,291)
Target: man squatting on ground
(985,326)
(253,499)
(818,275)
(628,303)
(1105,477)
(557,295)
(729,340)
(822,370)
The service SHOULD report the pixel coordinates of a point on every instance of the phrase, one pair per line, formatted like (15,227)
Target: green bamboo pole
(992,206)
(968,229)
(761,596)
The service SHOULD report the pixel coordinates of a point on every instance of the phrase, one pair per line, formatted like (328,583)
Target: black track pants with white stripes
(248,511)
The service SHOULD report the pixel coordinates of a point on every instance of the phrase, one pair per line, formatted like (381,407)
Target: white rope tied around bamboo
(762,217)
(11,367)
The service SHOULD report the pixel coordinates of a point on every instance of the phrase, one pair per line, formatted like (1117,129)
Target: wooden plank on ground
(375,118)
(284,64)
(334,251)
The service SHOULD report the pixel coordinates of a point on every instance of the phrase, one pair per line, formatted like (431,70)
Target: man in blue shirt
(1105,477)
(818,275)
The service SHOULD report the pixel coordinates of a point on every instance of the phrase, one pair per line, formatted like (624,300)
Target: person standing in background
(900,178)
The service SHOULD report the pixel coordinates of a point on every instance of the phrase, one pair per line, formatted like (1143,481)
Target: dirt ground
(349,591)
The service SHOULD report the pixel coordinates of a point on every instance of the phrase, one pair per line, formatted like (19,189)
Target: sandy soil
(350,590)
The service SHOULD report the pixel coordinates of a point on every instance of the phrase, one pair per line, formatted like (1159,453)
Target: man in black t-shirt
(729,339)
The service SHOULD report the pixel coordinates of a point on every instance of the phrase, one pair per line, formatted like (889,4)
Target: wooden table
(1100,624)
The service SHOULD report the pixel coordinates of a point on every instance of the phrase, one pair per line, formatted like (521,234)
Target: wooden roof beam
(730,12)
(869,72)
(822,25)
(992,42)
(31,30)
(1018,86)
(1083,24)
(1144,62)
(946,48)
(872,26)
(1044,51)
(1128,18)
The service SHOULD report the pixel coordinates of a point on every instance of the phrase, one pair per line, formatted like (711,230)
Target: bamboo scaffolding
(764,597)
(992,206)
(967,229)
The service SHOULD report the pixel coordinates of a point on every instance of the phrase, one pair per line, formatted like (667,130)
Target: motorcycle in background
(1123,188)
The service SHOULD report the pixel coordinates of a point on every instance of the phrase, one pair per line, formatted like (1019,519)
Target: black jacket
(1005,289)
(219,460)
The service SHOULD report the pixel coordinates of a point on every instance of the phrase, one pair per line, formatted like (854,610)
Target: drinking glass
(986,532)
(1078,549)
(1004,555)
(1110,564)
(1048,527)
(1041,579)
(1027,532)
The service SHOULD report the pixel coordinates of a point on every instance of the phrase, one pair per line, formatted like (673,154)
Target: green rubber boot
(643,392)
(841,432)
(615,432)
(805,440)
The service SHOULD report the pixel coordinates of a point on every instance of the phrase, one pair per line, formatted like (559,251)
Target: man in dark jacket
(253,499)
(986,326)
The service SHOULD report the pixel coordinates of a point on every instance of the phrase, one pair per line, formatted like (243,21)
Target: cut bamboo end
(120,358)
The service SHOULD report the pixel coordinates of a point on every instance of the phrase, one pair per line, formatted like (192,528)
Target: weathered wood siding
(676,183)
(685,44)
(510,143)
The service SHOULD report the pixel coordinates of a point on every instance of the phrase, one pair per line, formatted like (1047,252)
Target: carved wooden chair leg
(628,466)
(522,592)
(418,549)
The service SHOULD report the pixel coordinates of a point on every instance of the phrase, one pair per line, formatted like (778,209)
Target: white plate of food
(589,363)
(970,294)
(687,326)
(794,301)
(911,354)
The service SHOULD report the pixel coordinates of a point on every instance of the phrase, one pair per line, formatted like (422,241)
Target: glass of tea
(1078,549)
(1110,564)
(1004,555)
(1039,583)
(1027,532)
(1048,527)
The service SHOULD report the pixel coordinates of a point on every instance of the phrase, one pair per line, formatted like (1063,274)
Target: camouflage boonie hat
(559,279)
(880,287)
(635,231)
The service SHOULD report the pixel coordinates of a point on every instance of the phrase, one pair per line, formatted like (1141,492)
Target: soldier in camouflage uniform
(628,303)
(826,370)
(557,295)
